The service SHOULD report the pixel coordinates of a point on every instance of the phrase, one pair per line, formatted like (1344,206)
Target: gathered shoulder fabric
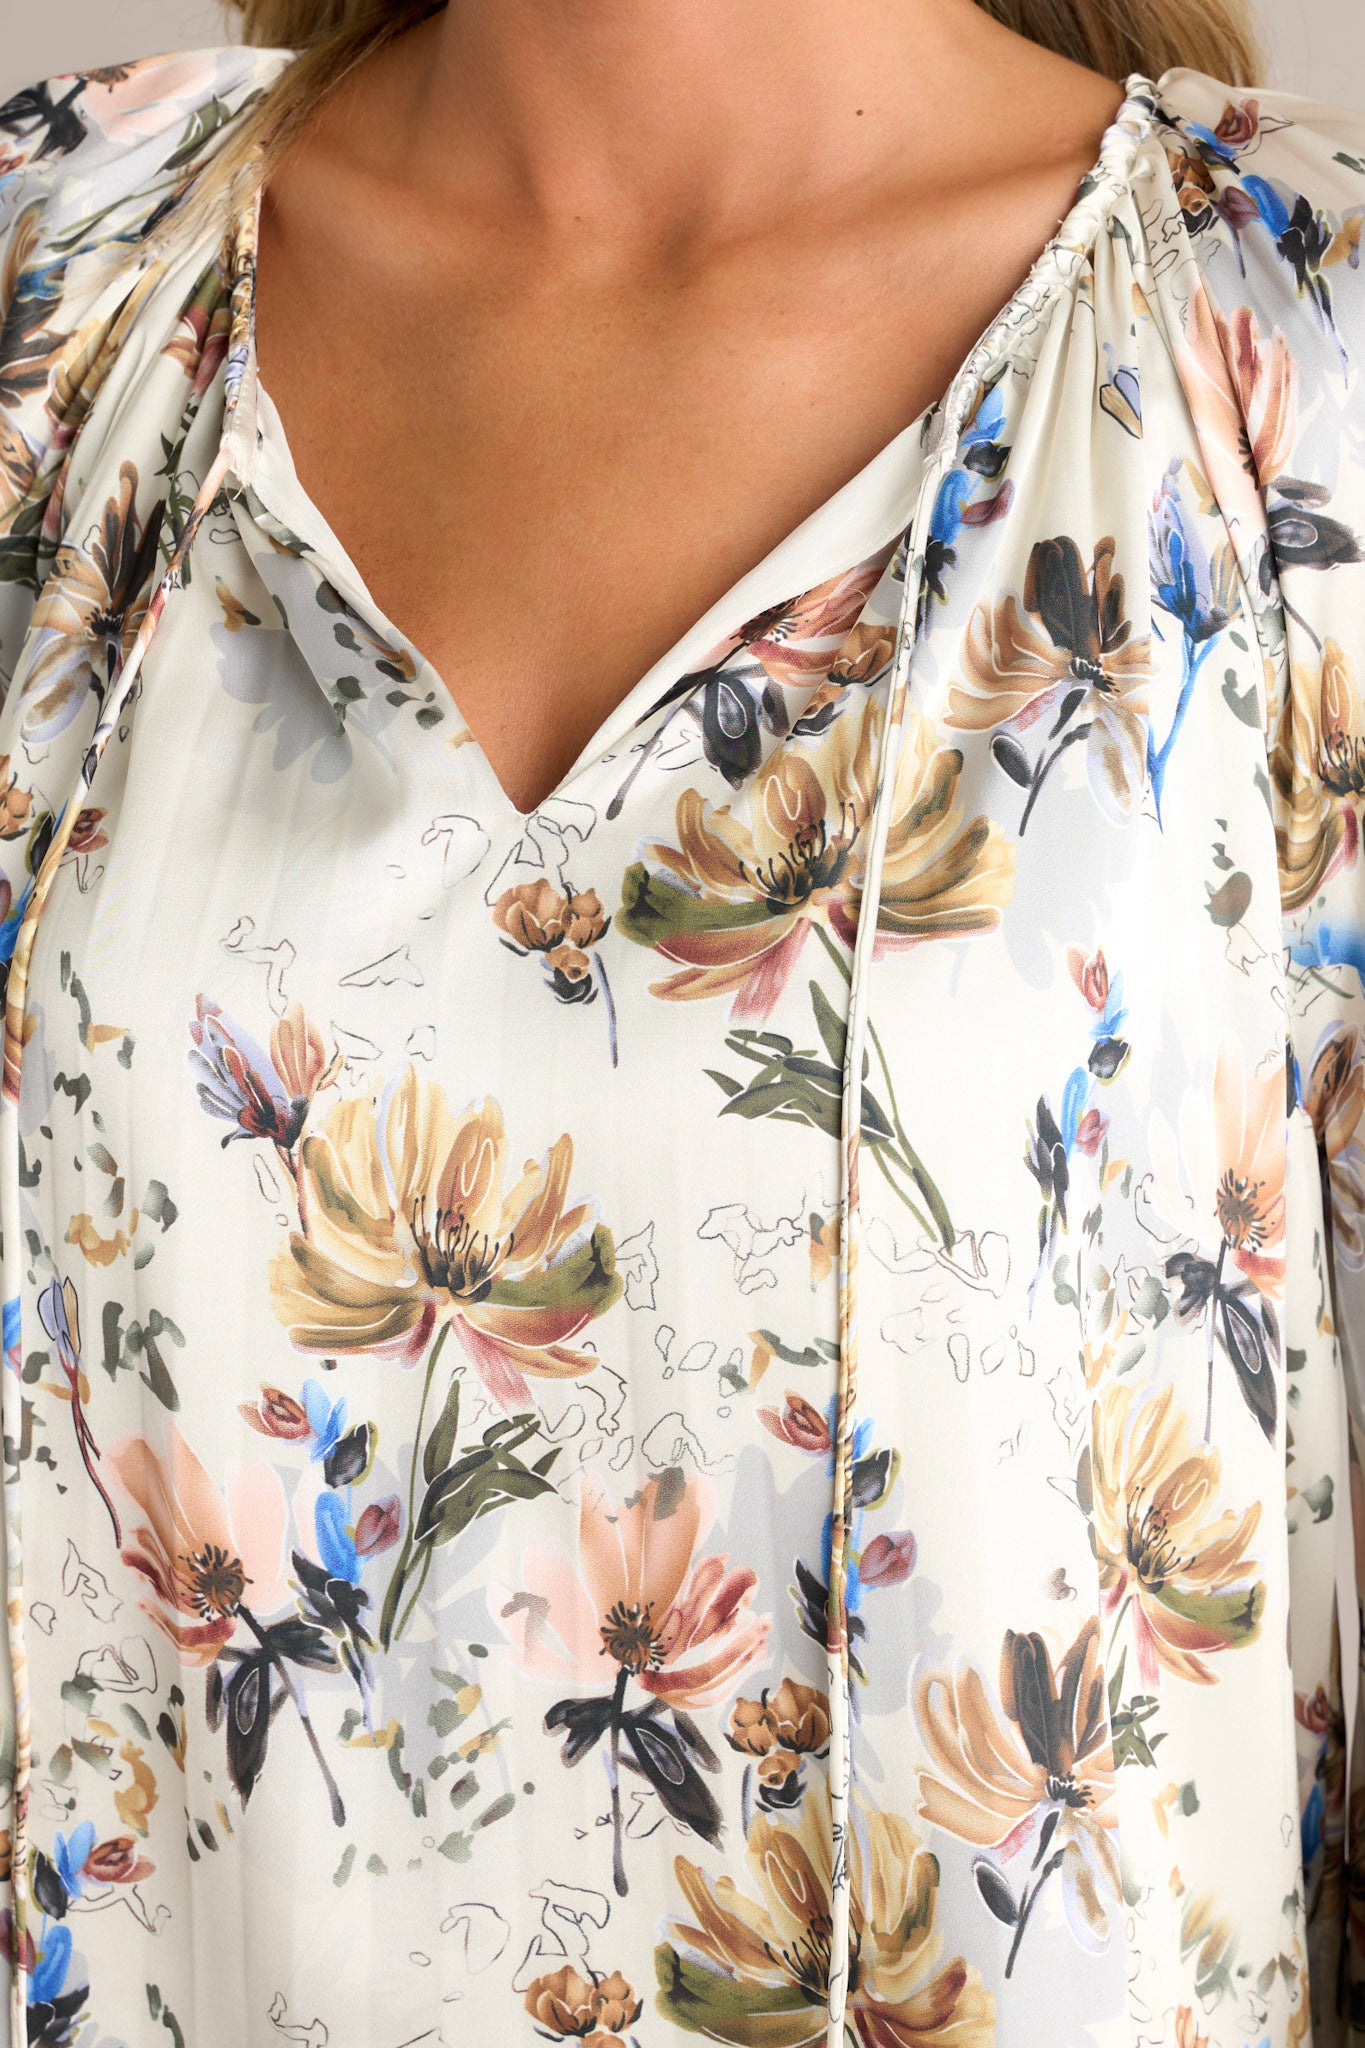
(731,1409)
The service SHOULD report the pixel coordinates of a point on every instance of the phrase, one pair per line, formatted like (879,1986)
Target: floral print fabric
(730,1410)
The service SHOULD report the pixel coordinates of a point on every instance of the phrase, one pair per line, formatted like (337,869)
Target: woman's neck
(697,121)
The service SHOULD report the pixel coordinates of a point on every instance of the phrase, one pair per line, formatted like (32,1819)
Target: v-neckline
(865,514)
(873,507)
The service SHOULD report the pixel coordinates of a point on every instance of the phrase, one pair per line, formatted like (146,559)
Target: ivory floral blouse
(728,1410)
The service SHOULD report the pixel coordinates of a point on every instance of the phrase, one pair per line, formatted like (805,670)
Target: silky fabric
(730,1408)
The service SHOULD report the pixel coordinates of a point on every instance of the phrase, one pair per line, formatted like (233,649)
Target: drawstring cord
(1125,136)
(957,406)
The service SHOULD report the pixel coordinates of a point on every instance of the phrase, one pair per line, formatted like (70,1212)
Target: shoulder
(123,136)
(1271,186)
(78,119)
(1231,122)
(1263,230)
(1269,190)
(89,163)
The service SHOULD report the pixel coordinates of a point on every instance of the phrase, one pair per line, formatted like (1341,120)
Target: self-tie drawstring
(951,418)
(1061,259)
(118,695)
(1068,248)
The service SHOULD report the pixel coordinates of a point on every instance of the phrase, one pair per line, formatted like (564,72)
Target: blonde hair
(330,37)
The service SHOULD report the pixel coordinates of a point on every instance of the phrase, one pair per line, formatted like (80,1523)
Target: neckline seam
(1010,335)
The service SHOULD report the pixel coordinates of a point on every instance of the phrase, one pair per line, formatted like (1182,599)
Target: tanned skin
(572,309)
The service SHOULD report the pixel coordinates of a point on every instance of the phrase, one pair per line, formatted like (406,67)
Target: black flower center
(1241,1211)
(806,1960)
(105,624)
(1154,1557)
(217,1581)
(1087,669)
(455,1256)
(1344,771)
(628,1638)
(813,859)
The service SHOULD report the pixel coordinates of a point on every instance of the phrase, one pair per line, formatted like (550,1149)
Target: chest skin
(560,443)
